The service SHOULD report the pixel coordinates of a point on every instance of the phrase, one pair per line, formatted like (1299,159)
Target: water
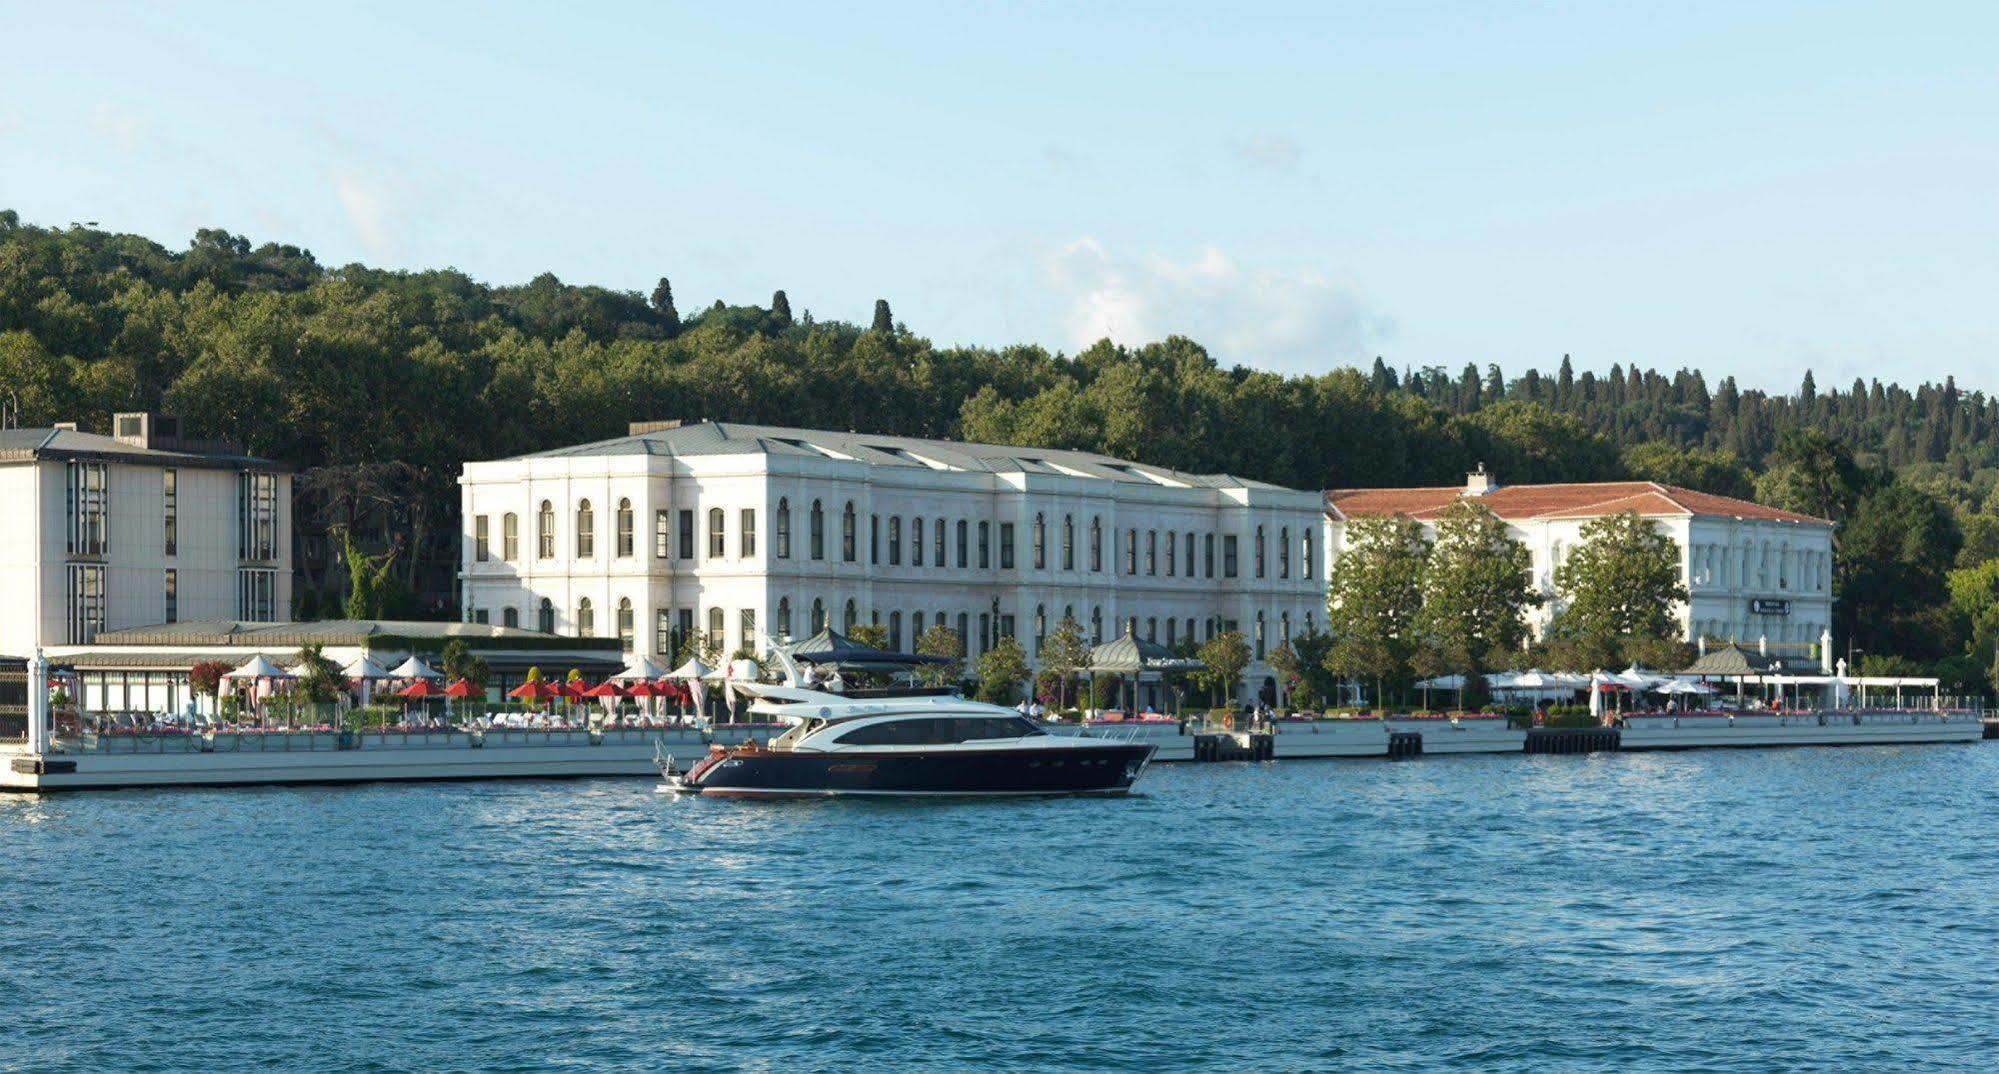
(1723,910)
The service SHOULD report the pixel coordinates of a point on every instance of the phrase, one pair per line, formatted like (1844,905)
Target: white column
(38,703)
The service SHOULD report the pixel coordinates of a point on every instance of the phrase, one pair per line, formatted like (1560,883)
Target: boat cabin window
(939,731)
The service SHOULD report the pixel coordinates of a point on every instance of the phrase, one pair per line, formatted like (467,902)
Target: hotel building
(1754,573)
(731,529)
(135,529)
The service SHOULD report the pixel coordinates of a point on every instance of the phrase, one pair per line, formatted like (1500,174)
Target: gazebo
(1136,657)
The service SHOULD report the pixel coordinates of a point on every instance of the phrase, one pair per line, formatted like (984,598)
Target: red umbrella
(420,689)
(643,688)
(463,688)
(571,689)
(534,691)
(604,689)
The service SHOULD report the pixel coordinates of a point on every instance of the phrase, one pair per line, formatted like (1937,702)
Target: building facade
(1753,573)
(733,529)
(135,529)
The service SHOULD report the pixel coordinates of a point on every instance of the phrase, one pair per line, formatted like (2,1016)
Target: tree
(873,635)
(662,303)
(884,323)
(780,310)
(1813,474)
(1889,573)
(460,662)
(204,679)
(318,678)
(1002,669)
(1223,656)
(1064,653)
(1618,586)
(1373,596)
(941,640)
(1718,472)
(1477,587)
(368,578)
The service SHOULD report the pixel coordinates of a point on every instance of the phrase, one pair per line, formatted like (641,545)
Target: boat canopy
(832,647)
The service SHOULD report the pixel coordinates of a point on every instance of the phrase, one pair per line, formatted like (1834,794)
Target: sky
(1750,189)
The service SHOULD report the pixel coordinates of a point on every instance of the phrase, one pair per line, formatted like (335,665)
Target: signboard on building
(1769,606)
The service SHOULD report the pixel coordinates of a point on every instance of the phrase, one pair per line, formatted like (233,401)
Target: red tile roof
(1588,500)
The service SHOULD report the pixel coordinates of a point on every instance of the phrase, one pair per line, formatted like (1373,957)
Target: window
(544,531)
(662,534)
(938,731)
(915,628)
(818,621)
(510,617)
(476,615)
(481,542)
(964,638)
(1172,628)
(783,529)
(717,640)
(916,535)
(852,618)
(1228,555)
(1259,551)
(586,618)
(985,632)
(817,531)
(170,511)
(847,533)
(939,529)
(985,545)
(1006,546)
(1305,556)
(173,595)
(1208,555)
(749,627)
(963,559)
(626,528)
(1097,625)
(1152,551)
(1040,542)
(1259,635)
(586,530)
(1190,563)
(783,623)
(256,594)
(662,633)
(626,629)
(1131,551)
(510,537)
(1284,552)
(544,616)
(874,539)
(1151,628)
(1172,554)
(1096,545)
(686,522)
(747,537)
(895,632)
(1005,629)
(684,627)
(894,541)
(1284,628)
(718,541)
(1040,626)
(87,607)
(1068,542)
(257,511)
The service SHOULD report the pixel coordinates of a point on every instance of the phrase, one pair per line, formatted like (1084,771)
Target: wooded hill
(379,384)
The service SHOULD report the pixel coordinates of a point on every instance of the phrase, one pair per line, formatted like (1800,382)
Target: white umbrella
(259,667)
(414,668)
(365,671)
(1442,682)
(694,670)
(1681,686)
(1596,695)
(1635,677)
(641,667)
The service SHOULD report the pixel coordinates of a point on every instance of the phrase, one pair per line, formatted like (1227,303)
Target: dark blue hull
(1106,769)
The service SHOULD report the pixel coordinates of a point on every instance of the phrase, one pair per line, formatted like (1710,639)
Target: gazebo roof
(1132,654)
(1731,660)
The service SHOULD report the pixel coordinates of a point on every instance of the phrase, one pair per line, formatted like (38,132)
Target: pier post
(38,704)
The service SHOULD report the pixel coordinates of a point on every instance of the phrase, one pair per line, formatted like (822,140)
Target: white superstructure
(136,529)
(729,529)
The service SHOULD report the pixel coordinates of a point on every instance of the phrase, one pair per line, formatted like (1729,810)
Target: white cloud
(1271,151)
(371,210)
(1285,321)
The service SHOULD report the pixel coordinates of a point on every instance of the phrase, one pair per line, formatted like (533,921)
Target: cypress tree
(884,322)
(662,301)
(780,309)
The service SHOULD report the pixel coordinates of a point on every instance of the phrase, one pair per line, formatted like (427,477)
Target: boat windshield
(940,730)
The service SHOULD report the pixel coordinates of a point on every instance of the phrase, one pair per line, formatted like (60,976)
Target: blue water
(1728,910)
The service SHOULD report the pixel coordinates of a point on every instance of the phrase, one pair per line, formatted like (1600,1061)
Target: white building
(136,529)
(730,528)
(1754,573)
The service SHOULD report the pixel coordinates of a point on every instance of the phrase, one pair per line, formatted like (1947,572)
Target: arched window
(818,621)
(1172,557)
(1097,625)
(626,629)
(915,628)
(816,531)
(1040,541)
(963,555)
(894,541)
(1151,628)
(1259,635)
(964,639)
(625,526)
(895,632)
(985,545)
(544,531)
(1172,630)
(746,533)
(783,623)
(852,618)
(510,617)
(586,530)
(1305,556)
(938,526)
(1040,626)
(1259,551)
(916,535)
(718,539)
(1284,628)
(783,525)
(1068,542)
(718,627)
(1152,551)
(510,537)
(545,616)
(847,533)
(1284,552)
(1190,567)
(1131,551)
(586,619)
(1096,544)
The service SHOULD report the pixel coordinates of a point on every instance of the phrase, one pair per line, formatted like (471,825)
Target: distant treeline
(379,384)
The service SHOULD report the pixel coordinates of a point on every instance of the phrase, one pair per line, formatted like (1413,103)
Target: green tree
(368,579)
(662,303)
(1477,587)
(1064,653)
(1813,474)
(1619,586)
(780,310)
(318,678)
(1002,669)
(874,635)
(1373,595)
(884,322)
(1225,656)
(460,662)
(941,640)
(1718,472)
(1889,573)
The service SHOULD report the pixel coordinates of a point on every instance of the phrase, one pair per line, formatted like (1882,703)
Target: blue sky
(1754,189)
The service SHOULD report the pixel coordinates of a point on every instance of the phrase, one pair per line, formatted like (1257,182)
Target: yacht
(905,745)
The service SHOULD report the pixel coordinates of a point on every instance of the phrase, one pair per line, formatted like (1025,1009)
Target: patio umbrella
(461,688)
(420,689)
(415,668)
(259,667)
(364,672)
(534,691)
(641,668)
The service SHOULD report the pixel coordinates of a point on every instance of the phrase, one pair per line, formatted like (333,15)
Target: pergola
(1136,657)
